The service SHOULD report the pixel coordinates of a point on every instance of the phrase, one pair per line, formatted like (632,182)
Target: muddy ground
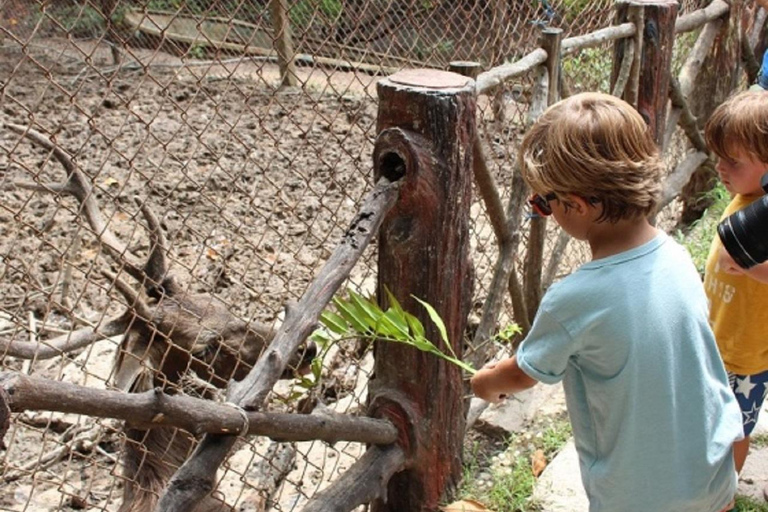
(253,186)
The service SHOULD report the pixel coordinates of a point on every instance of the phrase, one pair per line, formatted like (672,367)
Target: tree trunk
(426,126)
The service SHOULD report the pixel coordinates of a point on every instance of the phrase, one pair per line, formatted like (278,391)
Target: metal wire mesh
(177,103)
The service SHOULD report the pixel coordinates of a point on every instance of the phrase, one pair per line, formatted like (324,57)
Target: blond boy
(737,132)
(627,333)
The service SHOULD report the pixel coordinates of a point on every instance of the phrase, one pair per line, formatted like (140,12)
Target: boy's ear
(578,204)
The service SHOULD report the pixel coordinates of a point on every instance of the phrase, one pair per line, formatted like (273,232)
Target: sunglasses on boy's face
(540,204)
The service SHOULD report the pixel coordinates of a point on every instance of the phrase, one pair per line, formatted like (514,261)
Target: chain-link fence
(177,104)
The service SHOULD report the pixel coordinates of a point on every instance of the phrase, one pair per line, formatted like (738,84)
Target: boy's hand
(484,384)
(728,264)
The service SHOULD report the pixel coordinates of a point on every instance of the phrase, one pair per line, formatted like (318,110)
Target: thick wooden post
(426,126)
(648,86)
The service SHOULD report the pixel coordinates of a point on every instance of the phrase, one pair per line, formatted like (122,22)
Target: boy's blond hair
(740,125)
(598,147)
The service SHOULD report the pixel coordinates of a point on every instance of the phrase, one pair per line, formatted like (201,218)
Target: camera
(745,233)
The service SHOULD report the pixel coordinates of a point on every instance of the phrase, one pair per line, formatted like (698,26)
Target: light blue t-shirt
(653,417)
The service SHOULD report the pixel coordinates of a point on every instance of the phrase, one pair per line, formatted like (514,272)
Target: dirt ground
(254,188)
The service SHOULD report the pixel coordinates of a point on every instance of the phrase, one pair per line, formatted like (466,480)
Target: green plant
(80,21)
(747,504)
(510,485)
(359,317)
(699,237)
(759,440)
(589,69)
(303,11)
(196,51)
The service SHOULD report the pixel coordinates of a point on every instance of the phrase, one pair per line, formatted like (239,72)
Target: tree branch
(154,408)
(362,483)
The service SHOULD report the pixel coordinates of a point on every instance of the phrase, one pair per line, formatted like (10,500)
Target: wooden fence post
(281,24)
(426,127)
(648,86)
(534,256)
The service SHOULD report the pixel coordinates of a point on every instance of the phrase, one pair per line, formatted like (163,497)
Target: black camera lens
(745,233)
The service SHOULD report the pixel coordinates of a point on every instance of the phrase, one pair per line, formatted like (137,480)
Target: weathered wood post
(281,25)
(648,85)
(426,127)
(550,40)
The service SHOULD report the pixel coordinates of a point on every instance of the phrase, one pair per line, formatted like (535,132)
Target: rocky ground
(559,487)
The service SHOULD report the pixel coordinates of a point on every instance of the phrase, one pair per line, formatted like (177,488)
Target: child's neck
(606,239)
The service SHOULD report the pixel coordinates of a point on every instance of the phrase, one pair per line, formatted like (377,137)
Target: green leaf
(417,328)
(393,302)
(334,322)
(317,368)
(386,327)
(509,332)
(322,339)
(424,345)
(397,320)
(435,319)
(366,309)
(351,315)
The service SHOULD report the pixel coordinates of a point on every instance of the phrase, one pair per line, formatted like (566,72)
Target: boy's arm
(494,381)
(758,272)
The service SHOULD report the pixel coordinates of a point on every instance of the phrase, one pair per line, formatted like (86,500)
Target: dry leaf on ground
(465,506)
(538,462)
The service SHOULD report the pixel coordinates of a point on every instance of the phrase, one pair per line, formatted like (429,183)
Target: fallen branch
(269,474)
(500,74)
(690,71)
(598,37)
(692,21)
(198,416)
(83,438)
(63,344)
(362,483)
(687,119)
(680,176)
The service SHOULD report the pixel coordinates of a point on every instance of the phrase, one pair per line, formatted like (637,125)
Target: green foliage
(747,504)
(511,485)
(81,21)
(759,440)
(196,51)
(589,69)
(302,12)
(358,317)
(425,49)
(699,238)
(169,5)
(570,10)
(508,333)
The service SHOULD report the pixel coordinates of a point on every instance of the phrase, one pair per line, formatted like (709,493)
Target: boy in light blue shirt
(628,334)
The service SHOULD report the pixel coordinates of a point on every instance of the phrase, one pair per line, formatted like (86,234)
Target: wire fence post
(426,127)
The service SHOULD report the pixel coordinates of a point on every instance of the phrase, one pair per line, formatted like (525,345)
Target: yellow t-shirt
(738,310)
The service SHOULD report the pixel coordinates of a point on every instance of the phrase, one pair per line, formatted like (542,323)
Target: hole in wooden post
(392,166)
